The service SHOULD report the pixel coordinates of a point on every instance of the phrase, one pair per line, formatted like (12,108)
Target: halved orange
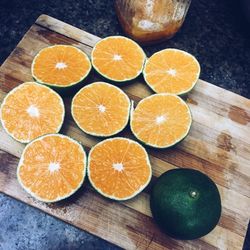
(161,120)
(52,167)
(171,71)
(118,58)
(31,110)
(119,168)
(60,66)
(101,109)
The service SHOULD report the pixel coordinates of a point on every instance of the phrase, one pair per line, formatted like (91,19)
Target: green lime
(185,203)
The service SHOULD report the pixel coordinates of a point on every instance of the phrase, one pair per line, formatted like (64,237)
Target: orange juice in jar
(149,21)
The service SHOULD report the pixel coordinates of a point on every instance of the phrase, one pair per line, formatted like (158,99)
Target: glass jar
(149,21)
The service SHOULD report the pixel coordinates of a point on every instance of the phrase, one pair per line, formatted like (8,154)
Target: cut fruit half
(119,168)
(52,167)
(31,110)
(60,66)
(171,71)
(118,58)
(161,120)
(101,109)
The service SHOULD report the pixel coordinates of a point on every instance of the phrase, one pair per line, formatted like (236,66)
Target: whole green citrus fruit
(185,203)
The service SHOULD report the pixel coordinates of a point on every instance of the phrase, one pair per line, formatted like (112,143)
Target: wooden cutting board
(218,145)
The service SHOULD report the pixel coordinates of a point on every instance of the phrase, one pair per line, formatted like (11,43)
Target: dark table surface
(214,31)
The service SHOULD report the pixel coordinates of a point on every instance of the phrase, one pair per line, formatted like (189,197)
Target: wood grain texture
(218,145)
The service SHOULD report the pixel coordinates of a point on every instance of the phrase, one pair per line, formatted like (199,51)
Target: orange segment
(119,168)
(52,167)
(118,58)
(31,110)
(60,65)
(161,120)
(171,71)
(101,109)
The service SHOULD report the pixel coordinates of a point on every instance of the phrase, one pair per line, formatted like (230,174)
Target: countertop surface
(214,31)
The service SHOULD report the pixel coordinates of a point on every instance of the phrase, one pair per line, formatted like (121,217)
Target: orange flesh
(34,172)
(118,58)
(32,110)
(135,173)
(101,109)
(60,65)
(171,71)
(161,120)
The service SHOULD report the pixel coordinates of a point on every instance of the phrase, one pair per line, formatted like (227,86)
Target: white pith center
(117,57)
(54,166)
(160,119)
(61,65)
(171,72)
(118,166)
(33,111)
(102,108)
